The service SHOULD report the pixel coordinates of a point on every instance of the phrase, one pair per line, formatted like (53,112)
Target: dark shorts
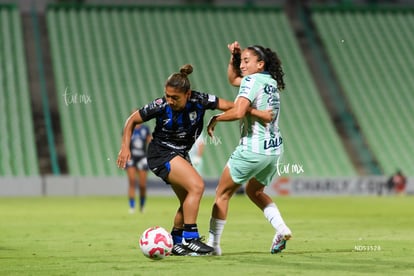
(139,162)
(159,158)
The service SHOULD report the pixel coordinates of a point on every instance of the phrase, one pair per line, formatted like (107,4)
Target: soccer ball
(156,243)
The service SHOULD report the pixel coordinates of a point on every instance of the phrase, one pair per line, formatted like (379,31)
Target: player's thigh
(131,172)
(244,165)
(184,175)
(269,170)
(226,186)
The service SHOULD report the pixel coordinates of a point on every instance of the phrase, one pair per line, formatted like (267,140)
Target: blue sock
(190,231)
(190,235)
(132,203)
(142,202)
(177,235)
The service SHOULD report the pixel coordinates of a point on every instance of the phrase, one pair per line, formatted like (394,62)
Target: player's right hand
(211,124)
(123,157)
(234,47)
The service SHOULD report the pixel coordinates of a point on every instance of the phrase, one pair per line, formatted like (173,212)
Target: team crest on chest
(193,117)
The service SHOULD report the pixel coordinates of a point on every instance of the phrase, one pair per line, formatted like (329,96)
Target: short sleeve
(151,110)
(247,88)
(208,101)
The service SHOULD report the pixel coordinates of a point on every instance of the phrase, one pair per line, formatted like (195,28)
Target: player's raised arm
(125,151)
(233,69)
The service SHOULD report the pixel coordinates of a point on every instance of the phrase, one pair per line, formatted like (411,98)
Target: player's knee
(253,193)
(197,188)
(224,195)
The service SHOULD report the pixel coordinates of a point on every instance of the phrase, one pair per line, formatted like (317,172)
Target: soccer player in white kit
(258,73)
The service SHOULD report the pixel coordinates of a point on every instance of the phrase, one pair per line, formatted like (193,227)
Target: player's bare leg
(183,176)
(131,172)
(142,178)
(225,190)
(178,227)
(255,191)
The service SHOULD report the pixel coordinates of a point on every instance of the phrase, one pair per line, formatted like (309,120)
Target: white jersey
(261,90)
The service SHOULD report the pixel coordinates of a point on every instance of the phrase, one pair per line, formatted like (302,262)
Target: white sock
(215,231)
(272,214)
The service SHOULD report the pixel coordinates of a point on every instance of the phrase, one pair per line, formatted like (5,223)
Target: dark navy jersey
(178,130)
(139,141)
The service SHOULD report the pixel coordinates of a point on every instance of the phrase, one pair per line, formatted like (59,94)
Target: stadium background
(70,73)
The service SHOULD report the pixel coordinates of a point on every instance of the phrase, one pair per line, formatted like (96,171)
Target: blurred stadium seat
(371,51)
(17,142)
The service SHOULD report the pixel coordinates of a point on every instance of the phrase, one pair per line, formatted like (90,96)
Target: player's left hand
(267,116)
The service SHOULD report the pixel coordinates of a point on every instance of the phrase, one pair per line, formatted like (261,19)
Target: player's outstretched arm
(266,116)
(236,112)
(224,105)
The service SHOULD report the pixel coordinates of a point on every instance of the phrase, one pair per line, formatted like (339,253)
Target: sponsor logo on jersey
(272,143)
(158,101)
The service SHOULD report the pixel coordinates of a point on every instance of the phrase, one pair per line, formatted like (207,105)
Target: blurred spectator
(397,183)
(137,166)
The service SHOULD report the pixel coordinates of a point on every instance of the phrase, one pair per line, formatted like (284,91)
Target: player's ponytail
(274,67)
(180,80)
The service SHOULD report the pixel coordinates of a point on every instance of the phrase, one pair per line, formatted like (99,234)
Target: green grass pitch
(97,236)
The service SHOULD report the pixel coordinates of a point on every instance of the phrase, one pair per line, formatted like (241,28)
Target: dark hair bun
(186,69)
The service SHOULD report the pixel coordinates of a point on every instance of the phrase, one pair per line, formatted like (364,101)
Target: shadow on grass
(2,248)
